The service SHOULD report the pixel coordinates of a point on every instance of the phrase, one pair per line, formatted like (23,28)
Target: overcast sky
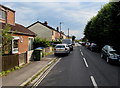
(73,15)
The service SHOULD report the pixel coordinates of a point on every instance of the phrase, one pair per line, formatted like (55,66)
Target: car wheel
(108,60)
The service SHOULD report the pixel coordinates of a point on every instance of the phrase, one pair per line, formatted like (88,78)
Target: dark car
(109,54)
(87,45)
(93,47)
(83,43)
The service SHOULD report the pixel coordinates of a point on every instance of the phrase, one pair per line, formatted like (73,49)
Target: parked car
(69,43)
(61,49)
(109,54)
(93,47)
(87,45)
(83,43)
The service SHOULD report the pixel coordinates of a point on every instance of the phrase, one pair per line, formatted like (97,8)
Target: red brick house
(22,37)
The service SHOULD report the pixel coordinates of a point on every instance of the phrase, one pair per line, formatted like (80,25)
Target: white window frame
(3,15)
(29,49)
(13,49)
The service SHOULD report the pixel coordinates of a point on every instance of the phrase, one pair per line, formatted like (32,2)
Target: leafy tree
(104,27)
(6,39)
(73,38)
(38,42)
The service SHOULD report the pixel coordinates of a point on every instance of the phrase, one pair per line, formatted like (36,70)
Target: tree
(104,27)
(73,38)
(6,39)
(38,42)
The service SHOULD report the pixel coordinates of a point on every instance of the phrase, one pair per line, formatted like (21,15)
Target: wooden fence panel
(9,61)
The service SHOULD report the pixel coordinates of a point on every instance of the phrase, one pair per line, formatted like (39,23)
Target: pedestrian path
(17,77)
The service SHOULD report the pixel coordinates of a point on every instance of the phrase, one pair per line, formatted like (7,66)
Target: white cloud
(74,14)
(57,0)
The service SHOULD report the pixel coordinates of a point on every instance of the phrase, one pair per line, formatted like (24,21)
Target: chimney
(46,23)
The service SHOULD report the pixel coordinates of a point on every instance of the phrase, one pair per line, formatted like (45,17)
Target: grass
(5,73)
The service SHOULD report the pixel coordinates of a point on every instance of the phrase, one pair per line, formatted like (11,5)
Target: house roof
(6,7)
(43,25)
(19,29)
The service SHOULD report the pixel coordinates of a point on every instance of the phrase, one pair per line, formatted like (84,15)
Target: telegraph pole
(68,33)
(60,29)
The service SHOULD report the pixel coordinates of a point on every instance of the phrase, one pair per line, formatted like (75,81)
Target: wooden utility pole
(68,32)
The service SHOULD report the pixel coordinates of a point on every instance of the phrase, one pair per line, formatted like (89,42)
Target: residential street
(83,68)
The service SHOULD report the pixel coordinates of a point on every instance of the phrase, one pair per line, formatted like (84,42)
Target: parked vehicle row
(90,46)
(107,52)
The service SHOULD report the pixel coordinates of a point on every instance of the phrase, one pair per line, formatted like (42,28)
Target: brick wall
(23,43)
(10,17)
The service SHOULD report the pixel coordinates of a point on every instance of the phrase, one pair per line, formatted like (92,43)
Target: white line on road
(40,80)
(94,82)
(85,62)
(82,53)
(80,50)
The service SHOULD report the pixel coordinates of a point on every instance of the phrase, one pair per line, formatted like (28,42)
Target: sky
(73,15)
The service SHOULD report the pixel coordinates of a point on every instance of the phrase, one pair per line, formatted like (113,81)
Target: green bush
(53,43)
(38,42)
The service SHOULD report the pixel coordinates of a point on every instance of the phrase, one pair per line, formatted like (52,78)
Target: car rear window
(60,46)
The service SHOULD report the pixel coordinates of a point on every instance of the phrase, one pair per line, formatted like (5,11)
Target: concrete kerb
(40,72)
(45,74)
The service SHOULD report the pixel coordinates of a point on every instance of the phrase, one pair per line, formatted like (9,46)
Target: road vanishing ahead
(83,68)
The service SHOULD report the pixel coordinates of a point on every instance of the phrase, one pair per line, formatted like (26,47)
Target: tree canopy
(104,28)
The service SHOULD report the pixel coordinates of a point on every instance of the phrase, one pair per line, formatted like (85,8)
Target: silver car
(61,49)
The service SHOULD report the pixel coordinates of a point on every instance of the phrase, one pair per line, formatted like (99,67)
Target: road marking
(46,73)
(80,50)
(85,62)
(94,82)
(82,53)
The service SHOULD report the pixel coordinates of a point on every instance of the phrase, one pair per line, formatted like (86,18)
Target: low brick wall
(48,49)
(22,58)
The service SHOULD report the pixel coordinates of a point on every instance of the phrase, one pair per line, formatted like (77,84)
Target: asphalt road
(83,68)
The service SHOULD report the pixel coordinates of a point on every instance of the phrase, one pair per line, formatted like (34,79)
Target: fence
(10,61)
(22,58)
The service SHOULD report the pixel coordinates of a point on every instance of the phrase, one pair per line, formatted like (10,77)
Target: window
(60,46)
(30,44)
(2,15)
(15,44)
(52,32)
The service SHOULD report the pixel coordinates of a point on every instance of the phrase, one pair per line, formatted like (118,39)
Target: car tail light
(54,49)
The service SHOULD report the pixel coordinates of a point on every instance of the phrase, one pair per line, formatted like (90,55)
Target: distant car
(61,49)
(93,47)
(87,45)
(83,43)
(109,54)
(69,43)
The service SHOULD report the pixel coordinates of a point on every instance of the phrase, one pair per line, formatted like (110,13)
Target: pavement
(25,74)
